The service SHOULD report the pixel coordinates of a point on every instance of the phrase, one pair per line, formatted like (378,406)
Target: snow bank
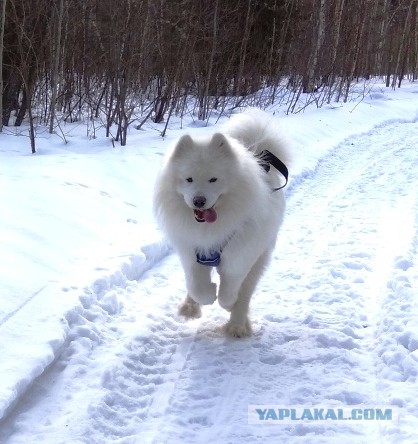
(314,132)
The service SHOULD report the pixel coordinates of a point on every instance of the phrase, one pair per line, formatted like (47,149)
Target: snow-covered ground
(92,350)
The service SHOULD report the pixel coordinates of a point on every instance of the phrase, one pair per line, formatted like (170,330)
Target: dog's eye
(214,179)
(189,179)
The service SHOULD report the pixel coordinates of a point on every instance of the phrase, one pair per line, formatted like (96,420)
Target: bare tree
(404,41)
(335,42)
(56,39)
(415,44)
(311,75)
(244,46)
(204,108)
(358,30)
(2,25)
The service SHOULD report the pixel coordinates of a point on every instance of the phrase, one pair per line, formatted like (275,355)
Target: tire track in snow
(23,304)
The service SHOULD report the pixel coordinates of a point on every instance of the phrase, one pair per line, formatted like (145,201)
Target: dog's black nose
(199,201)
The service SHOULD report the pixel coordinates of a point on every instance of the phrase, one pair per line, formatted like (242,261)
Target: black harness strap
(266,158)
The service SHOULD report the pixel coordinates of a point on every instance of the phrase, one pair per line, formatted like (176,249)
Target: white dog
(220,203)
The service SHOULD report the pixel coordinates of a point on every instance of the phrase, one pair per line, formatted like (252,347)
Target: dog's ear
(183,146)
(220,142)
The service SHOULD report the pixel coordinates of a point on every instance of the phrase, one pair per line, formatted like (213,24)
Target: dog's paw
(238,330)
(190,309)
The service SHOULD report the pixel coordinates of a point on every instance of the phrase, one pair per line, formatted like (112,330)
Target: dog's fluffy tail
(259,131)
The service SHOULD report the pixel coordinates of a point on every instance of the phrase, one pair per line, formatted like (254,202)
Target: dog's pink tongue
(209,215)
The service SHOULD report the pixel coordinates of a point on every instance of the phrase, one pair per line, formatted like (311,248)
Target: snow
(92,349)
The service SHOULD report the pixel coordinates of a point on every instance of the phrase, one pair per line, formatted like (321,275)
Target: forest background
(115,64)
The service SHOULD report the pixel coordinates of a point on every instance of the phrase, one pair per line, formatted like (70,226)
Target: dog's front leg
(234,268)
(228,289)
(199,284)
(239,324)
(237,260)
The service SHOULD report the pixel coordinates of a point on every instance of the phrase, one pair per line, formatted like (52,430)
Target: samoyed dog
(220,202)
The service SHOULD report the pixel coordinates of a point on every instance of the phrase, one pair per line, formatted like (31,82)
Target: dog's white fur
(249,213)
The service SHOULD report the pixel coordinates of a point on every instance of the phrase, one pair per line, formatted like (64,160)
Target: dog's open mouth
(208,215)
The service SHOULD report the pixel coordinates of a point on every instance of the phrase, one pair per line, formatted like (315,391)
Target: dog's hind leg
(239,323)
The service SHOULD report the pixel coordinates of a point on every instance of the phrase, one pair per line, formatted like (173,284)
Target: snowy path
(335,323)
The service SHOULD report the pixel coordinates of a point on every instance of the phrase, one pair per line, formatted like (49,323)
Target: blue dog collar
(212,260)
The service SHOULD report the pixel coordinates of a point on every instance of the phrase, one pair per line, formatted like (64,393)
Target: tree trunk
(309,80)
(59,9)
(23,107)
(203,111)
(401,51)
(2,24)
(357,46)
(243,51)
(381,38)
(415,68)
(339,8)
(31,125)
